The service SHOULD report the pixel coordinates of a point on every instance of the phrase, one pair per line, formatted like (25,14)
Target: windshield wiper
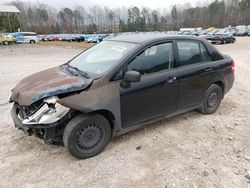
(69,68)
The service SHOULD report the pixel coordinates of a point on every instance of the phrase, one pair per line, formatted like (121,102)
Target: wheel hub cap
(88,136)
(212,99)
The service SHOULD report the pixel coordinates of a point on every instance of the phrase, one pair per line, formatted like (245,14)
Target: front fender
(106,97)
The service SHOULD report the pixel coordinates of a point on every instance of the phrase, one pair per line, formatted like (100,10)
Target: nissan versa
(119,85)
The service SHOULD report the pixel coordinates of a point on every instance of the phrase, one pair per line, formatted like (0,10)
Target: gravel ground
(189,150)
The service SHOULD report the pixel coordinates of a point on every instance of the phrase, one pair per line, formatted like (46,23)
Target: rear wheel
(32,42)
(212,100)
(86,135)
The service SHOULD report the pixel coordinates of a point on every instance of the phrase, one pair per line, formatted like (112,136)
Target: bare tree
(45,19)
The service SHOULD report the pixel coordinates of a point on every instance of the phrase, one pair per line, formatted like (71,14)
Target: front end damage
(45,119)
(36,110)
(44,104)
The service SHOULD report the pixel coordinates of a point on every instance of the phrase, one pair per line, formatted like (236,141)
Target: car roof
(148,37)
(28,32)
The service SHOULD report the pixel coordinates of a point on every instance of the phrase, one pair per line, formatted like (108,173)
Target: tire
(5,42)
(32,42)
(211,100)
(223,41)
(86,135)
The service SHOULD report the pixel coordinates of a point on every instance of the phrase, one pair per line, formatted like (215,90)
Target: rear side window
(157,58)
(29,34)
(191,52)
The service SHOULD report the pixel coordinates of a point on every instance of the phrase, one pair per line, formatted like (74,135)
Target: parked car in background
(80,38)
(242,30)
(233,31)
(120,85)
(41,37)
(195,33)
(6,39)
(45,38)
(222,37)
(26,37)
(207,34)
(202,32)
(109,36)
(70,38)
(187,33)
(94,38)
(172,32)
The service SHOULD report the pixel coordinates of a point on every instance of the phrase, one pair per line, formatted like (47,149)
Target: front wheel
(212,100)
(86,135)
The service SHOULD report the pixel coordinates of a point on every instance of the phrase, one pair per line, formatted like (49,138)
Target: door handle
(208,69)
(171,79)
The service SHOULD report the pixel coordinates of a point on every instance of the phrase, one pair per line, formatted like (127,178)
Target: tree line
(44,19)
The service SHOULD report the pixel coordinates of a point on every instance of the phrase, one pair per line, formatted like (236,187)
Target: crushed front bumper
(47,132)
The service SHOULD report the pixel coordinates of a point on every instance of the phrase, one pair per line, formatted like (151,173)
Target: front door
(157,92)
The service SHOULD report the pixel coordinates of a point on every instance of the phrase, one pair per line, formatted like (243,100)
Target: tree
(77,20)
(174,15)
(42,18)
(145,19)
(69,15)
(155,21)
(216,13)
(5,21)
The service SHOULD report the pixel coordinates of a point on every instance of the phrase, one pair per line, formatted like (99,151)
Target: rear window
(191,52)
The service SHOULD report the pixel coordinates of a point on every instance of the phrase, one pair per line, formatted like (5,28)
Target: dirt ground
(189,150)
(66,44)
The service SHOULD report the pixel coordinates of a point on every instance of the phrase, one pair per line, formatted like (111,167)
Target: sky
(153,4)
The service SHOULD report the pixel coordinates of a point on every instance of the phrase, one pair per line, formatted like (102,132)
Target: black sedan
(119,85)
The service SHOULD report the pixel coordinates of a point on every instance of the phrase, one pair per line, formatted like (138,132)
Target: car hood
(47,83)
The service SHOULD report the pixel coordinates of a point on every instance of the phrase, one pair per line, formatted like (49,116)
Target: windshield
(101,57)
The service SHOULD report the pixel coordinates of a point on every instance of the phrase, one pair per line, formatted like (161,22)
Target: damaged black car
(119,85)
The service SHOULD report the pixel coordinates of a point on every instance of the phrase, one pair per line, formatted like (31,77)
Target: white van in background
(26,37)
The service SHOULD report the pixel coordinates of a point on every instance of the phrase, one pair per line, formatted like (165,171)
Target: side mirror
(132,76)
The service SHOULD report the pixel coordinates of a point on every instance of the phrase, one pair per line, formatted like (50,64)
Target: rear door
(194,73)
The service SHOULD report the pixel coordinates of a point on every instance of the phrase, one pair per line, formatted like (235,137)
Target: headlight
(50,112)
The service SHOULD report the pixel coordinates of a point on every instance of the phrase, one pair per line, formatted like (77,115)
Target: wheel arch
(222,86)
(109,116)
(32,41)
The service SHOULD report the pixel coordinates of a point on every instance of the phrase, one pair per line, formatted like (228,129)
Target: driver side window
(154,59)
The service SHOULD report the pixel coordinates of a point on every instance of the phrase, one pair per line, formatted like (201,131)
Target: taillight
(232,66)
